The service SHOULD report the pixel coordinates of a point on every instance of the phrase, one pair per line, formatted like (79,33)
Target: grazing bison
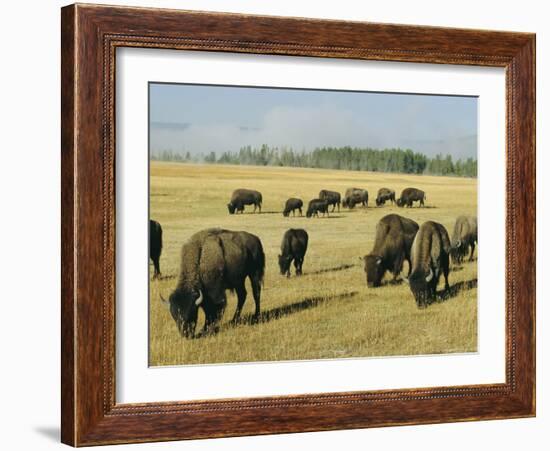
(355,196)
(410,195)
(392,246)
(332,198)
(155,245)
(430,258)
(291,205)
(213,261)
(315,206)
(242,197)
(464,238)
(385,194)
(293,247)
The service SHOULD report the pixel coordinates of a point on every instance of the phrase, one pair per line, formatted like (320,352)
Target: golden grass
(328,312)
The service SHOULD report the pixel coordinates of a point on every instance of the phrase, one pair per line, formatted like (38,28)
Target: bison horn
(406,280)
(199,299)
(430,276)
(378,260)
(458,243)
(164,301)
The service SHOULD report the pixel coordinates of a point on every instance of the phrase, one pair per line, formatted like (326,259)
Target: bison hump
(211,268)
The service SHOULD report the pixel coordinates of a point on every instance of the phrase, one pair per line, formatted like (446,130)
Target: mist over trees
(348,158)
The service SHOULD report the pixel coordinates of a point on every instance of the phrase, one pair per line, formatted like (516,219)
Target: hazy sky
(198,119)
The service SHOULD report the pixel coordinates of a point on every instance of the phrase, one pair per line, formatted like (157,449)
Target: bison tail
(160,237)
(261,265)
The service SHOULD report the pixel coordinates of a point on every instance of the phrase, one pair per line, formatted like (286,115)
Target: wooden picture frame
(90,35)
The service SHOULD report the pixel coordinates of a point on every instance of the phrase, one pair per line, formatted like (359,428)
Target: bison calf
(292,205)
(293,247)
(155,245)
(213,261)
(315,206)
(242,197)
(392,246)
(464,238)
(430,259)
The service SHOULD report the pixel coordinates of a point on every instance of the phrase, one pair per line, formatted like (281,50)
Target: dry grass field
(329,312)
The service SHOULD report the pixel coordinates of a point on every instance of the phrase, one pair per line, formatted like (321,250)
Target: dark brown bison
(292,205)
(430,259)
(293,247)
(213,261)
(464,238)
(392,246)
(155,245)
(315,206)
(332,198)
(242,197)
(385,194)
(410,195)
(355,196)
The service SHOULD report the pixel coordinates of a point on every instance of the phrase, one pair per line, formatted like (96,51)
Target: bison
(385,194)
(293,247)
(155,245)
(464,238)
(332,198)
(430,258)
(392,246)
(410,195)
(355,196)
(315,206)
(242,197)
(291,205)
(213,261)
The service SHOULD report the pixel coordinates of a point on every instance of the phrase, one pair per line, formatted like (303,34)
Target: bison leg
(156,264)
(256,292)
(241,297)
(259,208)
(446,273)
(298,265)
(300,211)
(397,267)
(472,246)
(212,318)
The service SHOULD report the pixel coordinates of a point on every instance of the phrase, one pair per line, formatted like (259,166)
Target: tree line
(397,160)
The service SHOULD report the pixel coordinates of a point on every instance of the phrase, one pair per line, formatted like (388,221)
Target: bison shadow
(165,277)
(289,309)
(322,271)
(260,213)
(455,290)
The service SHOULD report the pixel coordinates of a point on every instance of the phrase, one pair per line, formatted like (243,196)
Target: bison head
(379,201)
(286,213)
(284,264)
(374,270)
(231,208)
(184,307)
(422,287)
(399,202)
(458,250)
(309,213)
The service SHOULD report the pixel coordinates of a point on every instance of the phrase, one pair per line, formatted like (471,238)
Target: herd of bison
(216,260)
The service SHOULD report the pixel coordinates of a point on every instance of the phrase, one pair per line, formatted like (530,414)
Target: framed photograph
(278,225)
